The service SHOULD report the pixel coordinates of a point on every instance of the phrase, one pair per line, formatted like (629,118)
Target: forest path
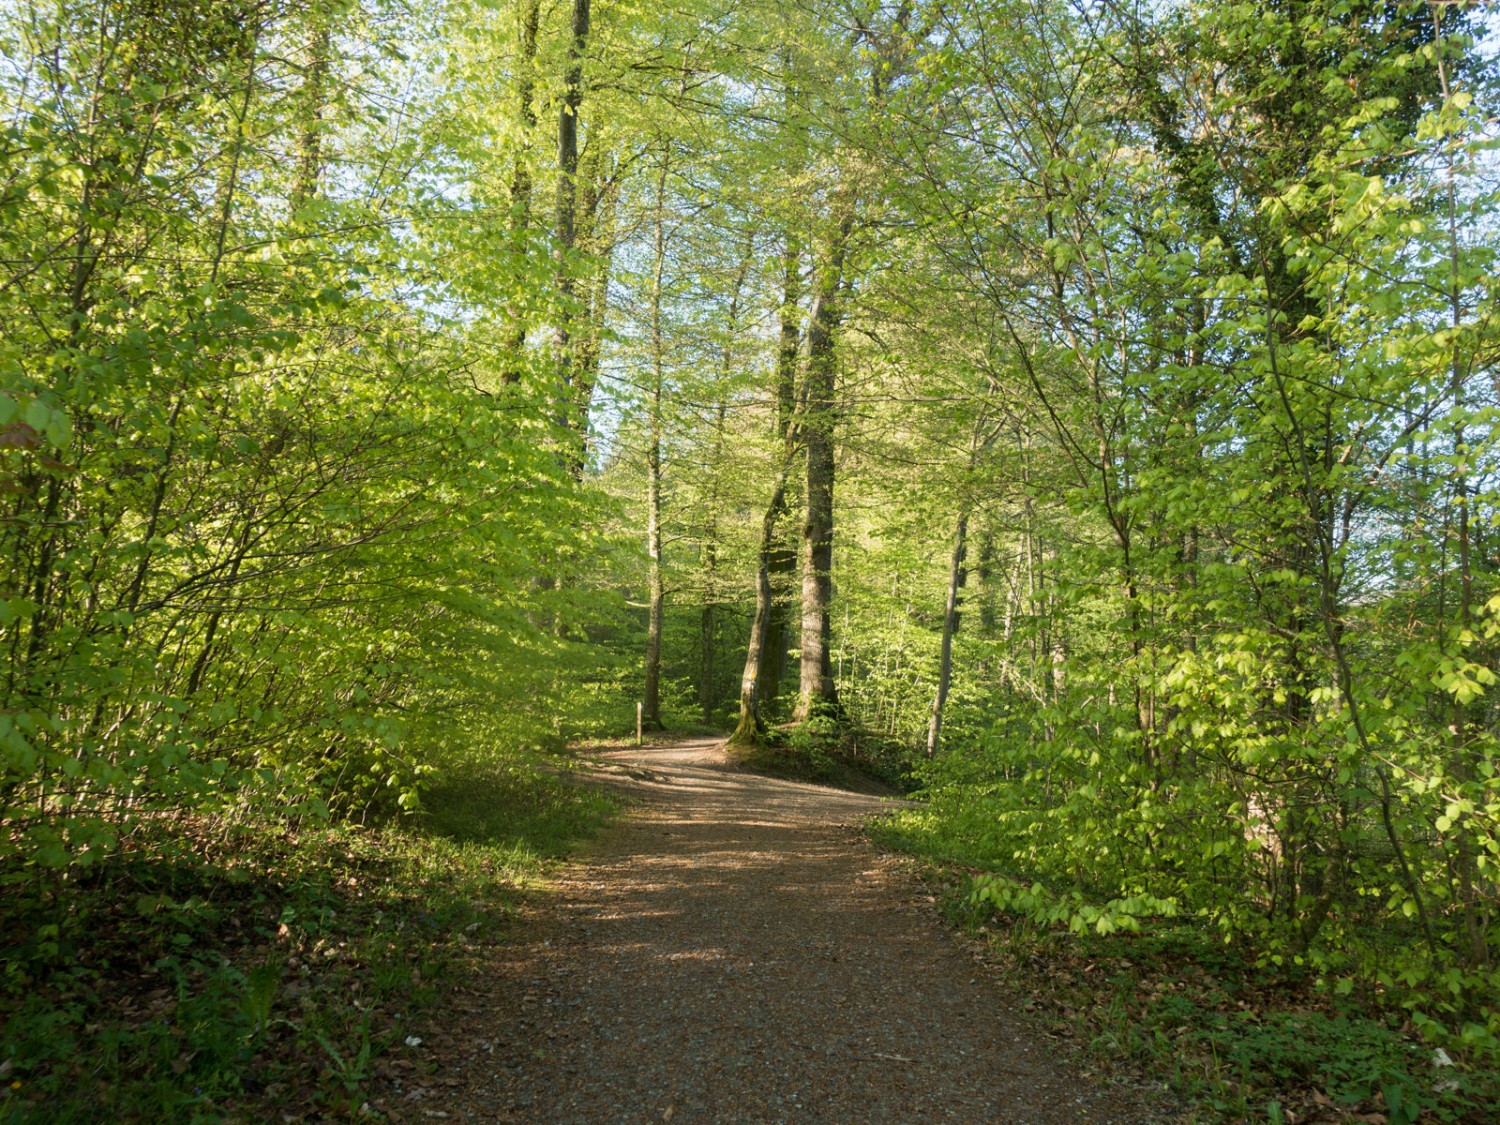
(733,951)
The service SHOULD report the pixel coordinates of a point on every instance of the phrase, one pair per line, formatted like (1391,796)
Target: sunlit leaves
(273,529)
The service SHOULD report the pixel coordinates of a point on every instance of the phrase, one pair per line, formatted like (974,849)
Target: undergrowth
(1235,1039)
(215,970)
(829,750)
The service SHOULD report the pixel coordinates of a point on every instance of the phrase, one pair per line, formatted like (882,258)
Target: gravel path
(733,952)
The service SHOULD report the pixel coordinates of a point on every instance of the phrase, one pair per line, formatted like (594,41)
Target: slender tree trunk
(708,615)
(651,713)
(1477,907)
(956,576)
(765,656)
(520,182)
(567,208)
(706,625)
(601,202)
(789,341)
(313,96)
(706,669)
(1059,639)
(986,577)
(529,16)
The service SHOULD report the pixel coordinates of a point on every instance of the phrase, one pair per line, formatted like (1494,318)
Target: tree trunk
(956,577)
(312,97)
(986,577)
(520,183)
(706,694)
(597,238)
(652,701)
(1476,905)
(651,715)
(706,621)
(765,657)
(818,690)
(567,209)
(783,556)
(751,721)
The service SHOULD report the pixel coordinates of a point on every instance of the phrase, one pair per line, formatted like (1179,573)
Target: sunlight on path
(733,952)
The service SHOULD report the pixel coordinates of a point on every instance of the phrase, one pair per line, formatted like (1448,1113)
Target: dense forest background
(1081,414)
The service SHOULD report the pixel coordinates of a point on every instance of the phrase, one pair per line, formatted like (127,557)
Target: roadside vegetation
(1235,1033)
(1087,412)
(251,970)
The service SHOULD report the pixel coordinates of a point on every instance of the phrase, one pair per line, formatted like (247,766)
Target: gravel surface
(733,952)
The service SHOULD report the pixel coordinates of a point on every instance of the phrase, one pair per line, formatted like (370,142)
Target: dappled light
(1064,431)
(734,951)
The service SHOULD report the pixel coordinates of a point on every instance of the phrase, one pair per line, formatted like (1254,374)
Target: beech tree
(1097,403)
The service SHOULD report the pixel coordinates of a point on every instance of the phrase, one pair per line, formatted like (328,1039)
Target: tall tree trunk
(706,625)
(520,182)
(706,669)
(567,209)
(956,576)
(651,709)
(818,689)
(765,656)
(651,703)
(1477,907)
(789,341)
(752,720)
(783,555)
(707,620)
(600,202)
(986,577)
(528,18)
(312,97)
(979,442)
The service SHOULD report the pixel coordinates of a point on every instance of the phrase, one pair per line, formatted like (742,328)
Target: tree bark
(706,622)
(600,201)
(567,208)
(312,96)
(783,555)
(818,689)
(520,182)
(652,699)
(751,721)
(651,715)
(956,576)
(765,656)
(706,694)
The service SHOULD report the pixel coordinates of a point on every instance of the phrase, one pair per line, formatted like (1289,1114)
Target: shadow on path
(734,952)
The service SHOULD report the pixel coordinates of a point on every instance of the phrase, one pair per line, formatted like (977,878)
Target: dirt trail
(733,952)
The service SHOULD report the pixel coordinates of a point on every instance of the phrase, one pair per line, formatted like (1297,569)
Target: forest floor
(734,950)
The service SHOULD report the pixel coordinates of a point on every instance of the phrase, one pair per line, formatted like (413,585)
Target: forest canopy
(1083,414)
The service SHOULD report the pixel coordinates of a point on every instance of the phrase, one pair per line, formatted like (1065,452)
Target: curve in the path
(733,952)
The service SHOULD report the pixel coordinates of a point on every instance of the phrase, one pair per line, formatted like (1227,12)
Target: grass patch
(827,751)
(779,759)
(1235,1040)
(212,971)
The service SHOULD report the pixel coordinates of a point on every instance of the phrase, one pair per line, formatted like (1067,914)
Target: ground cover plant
(1086,410)
(1236,1035)
(206,973)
